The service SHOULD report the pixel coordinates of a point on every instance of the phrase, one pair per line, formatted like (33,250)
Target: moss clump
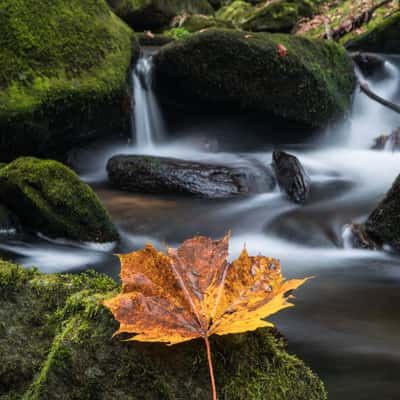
(61,348)
(237,12)
(279,16)
(383,225)
(63,69)
(197,22)
(156,14)
(381,38)
(313,83)
(50,198)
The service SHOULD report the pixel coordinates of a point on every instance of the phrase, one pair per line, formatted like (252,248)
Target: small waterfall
(147,123)
(371,119)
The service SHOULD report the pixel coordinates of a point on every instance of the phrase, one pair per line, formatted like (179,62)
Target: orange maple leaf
(282,50)
(194,292)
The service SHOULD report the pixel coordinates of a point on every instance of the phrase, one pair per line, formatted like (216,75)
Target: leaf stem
(211,369)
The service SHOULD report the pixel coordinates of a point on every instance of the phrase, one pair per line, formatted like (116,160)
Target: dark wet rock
(369,64)
(380,142)
(9,223)
(50,198)
(356,237)
(388,142)
(291,176)
(233,70)
(151,174)
(56,344)
(156,14)
(383,225)
(383,38)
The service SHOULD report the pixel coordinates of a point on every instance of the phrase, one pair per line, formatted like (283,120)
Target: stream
(345,324)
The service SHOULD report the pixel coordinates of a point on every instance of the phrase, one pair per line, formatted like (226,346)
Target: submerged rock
(312,83)
(291,176)
(50,198)
(61,347)
(150,174)
(156,14)
(63,74)
(383,38)
(383,225)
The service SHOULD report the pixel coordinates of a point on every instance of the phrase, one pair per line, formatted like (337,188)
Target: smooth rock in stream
(150,174)
(291,176)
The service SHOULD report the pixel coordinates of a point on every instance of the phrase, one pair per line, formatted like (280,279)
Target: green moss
(313,83)
(67,352)
(197,22)
(279,16)
(237,12)
(156,14)
(59,60)
(50,198)
(336,11)
(177,33)
(381,37)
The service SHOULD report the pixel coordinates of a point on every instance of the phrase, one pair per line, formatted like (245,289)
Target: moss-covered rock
(156,14)
(279,16)
(50,198)
(197,22)
(383,38)
(276,16)
(313,83)
(383,225)
(238,12)
(55,343)
(63,70)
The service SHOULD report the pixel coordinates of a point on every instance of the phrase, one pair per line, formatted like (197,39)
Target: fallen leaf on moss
(194,292)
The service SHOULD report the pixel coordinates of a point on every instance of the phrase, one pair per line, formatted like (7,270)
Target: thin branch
(365,89)
(210,367)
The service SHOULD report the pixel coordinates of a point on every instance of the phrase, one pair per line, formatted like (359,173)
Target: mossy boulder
(383,225)
(197,22)
(56,343)
(63,74)
(313,83)
(156,14)
(51,199)
(383,38)
(279,16)
(238,12)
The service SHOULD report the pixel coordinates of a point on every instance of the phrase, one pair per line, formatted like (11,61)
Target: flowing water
(345,324)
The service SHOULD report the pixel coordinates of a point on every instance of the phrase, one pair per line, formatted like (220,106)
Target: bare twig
(365,89)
